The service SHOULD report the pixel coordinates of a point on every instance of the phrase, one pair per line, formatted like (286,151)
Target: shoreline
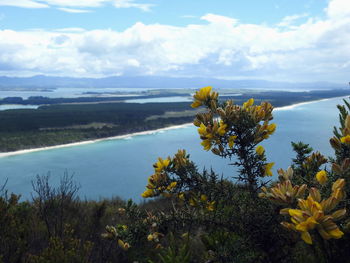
(292,106)
(117,137)
(129,135)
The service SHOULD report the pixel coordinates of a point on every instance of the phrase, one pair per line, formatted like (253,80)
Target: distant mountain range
(42,81)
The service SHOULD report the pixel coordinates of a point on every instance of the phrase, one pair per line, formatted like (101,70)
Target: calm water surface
(121,167)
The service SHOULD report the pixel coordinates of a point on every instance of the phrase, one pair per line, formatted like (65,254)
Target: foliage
(59,124)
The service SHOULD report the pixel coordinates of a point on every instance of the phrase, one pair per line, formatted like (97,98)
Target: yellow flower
(321,177)
(147,193)
(206,144)
(306,225)
(181,196)
(345,139)
(196,104)
(193,202)
(271,128)
(222,129)
(295,212)
(202,130)
(268,168)
(171,186)
(336,233)
(248,103)
(211,206)
(150,237)
(306,237)
(201,96)
(161,164)
(204,198)
(260,150)
(231,141)
(123,245)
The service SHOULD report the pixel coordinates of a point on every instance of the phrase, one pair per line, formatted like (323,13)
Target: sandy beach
(6,154)
(289,107)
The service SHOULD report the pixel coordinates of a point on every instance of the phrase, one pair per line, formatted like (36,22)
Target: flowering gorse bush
(313,212)
(230,130)
(238,221)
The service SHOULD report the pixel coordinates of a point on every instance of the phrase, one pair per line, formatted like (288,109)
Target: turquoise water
(121,167)
(161,99)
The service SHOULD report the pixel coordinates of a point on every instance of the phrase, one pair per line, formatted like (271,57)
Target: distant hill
(42,81)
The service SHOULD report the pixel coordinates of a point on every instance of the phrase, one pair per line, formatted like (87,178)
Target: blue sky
(301,40)
(178,13)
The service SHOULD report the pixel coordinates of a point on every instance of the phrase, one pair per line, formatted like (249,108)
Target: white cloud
(132,4)
(217,19)
(188,16)
(70,5)
(70,29)
(76,3)
(71,10)
(23,3)
(289,20)
(338,8)
(315,50)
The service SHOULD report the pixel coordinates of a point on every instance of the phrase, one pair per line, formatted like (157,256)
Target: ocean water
(161,99)
(121,167)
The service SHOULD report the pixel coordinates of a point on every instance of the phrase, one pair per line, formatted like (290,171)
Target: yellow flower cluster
(218,134)
(321,177)
(258,113)
(268,169)
(211,134)
(260,150)
(341,168)
(155,236)
(204,97)
(345,135)
(284,193)
(160,182)
(202,201)
(112,233)
(123,245)
(265,130)
(346,131)
(315,213)
(316,159)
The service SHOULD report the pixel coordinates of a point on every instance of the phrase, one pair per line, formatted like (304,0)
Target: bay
(121,167)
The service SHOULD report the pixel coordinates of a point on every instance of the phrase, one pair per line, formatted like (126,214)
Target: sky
(281,40)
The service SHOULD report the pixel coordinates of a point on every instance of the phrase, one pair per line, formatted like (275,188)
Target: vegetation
(195,216)
(59,124)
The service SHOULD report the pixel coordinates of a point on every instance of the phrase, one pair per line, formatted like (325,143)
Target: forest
(60,124)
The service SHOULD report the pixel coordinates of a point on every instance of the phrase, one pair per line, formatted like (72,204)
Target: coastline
(126,136)
(118,137)
(292,106)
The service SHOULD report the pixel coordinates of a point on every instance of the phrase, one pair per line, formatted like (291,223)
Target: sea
(120,167)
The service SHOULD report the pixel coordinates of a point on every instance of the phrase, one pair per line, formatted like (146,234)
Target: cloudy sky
(284,40)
